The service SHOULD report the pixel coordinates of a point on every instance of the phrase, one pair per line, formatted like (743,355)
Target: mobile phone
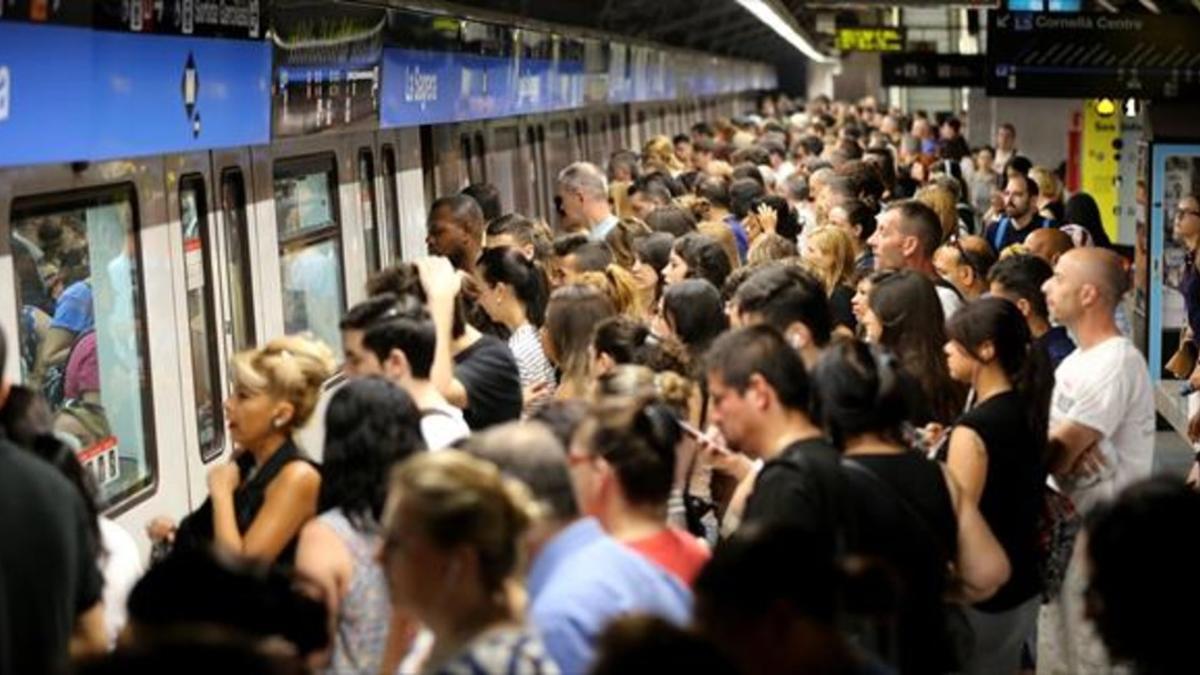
(701,436)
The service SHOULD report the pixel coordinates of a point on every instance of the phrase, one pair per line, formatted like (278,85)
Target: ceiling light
(768,11)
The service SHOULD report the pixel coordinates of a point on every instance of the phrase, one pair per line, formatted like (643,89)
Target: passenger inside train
(790,385)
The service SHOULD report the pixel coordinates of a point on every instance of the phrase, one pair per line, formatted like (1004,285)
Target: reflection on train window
(558,150)
(309,248)
(82,338)
(366,207)
(201,317)
(237,258)
(391,203)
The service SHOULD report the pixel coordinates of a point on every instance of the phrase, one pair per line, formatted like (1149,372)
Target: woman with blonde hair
(829,253)
(259,501)
(943,203)
(659,152)
(769,247)
(453,552)
(721,233)
(619,285)
(571,319)
(622,240)
(1050,193)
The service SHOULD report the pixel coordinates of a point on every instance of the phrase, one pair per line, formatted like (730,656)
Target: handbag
(1183,361)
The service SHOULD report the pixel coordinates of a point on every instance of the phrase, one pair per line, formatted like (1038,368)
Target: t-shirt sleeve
(74,310)
(1101,405)
(91,582)
(784,494)
(492,383)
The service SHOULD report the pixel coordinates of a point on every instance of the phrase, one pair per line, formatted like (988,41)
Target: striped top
(507,650)
(364,616)
(532,363)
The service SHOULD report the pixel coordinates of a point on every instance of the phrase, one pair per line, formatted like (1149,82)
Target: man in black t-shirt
(49,583)
(759,393)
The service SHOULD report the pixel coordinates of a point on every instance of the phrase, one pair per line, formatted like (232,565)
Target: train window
(310,262)
(558,150)
(82,329)
(391,202)
(468,159)
(510,174)
(366,207)
(479,168)
(237,258)
(202,325)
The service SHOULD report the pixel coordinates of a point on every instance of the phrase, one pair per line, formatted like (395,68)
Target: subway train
(180,181)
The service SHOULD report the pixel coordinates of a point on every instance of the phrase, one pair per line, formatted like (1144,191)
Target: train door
(403,190)
(535,154)
(85,280)
(508,168)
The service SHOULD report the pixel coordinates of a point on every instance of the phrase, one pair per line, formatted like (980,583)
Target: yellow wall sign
(1101,127)
(879,39)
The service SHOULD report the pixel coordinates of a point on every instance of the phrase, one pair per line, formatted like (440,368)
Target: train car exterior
(239,174)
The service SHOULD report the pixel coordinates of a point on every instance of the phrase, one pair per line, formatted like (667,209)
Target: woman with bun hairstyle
(515,292)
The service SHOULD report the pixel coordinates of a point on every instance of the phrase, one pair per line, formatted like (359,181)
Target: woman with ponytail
(515,294)
(996,454)
(619,285)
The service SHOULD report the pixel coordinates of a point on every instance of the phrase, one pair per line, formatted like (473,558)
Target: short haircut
(524,232)
(530,453)
(403,281)
(675,220)
(488,198)
(797,187)
(463,210)
(566,244)
(652,190)
(623,159)
(592,256)
(704,145)
(738,355)
(715,189)
(783,294)
(1023,275)
(742,193)
(412,332)
(705,258)
(1031,185)
(920,221)
(367,312)
(586,178)
(681,138)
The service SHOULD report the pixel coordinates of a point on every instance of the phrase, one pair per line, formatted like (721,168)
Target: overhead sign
(932,70)
(870,39)
(1093,55)
(1101,129)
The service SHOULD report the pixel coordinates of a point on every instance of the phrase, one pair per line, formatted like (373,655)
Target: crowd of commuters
(816,391)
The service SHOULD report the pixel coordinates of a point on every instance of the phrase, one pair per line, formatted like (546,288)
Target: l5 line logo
(5,92)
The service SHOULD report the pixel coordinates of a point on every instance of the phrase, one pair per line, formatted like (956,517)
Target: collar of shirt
(601,229)
(573,537)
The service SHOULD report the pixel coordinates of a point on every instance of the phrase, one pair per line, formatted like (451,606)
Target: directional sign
(932,70)
(1093,56)
(866,39)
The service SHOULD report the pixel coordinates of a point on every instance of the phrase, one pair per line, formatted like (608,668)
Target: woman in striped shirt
(514,294)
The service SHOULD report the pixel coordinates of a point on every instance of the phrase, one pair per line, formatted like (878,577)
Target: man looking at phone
(760,393)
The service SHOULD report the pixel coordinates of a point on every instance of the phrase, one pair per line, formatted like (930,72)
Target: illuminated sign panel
(879,39)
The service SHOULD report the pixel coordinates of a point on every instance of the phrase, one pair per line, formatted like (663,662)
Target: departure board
(1093,56)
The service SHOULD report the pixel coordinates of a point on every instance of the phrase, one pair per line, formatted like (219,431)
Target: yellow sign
(1099,166)
(883,39)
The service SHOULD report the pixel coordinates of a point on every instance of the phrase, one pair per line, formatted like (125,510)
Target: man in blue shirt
(1020,214)
(580,579)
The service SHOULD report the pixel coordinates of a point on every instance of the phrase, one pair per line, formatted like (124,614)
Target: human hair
(585,178)
(723,235)
(411,331)
(920,221)
(999,322)
(659,150)
(623,159)
(651,188)
(591,256)
(837,244)
(634,381)
(760,350)
(714,189)
(942,202)
(1023,275)
(1081,209)
(885,162)
(571,319)
(370,425)
(787,225)
(505,265)
(566,244)
(1138,564)
(770,247)
(704,257)
(694,310)
(623,239)
(367,312)
(863,215)
(459,500)
(783,294)
(524,232)
(858,389)
(290,368)
(403,280)
(914,329)
(487,197)
(618,284)
(651,644)
(535,453)
(742,193)
(1021,166)
(797,187)
(1047,183)
(672,219)
(620,337)
(637,438)
(464,211)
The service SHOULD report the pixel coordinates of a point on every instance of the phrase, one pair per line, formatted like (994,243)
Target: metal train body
(208,181)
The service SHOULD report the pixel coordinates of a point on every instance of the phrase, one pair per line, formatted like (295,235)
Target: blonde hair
(455,499)
(619,286)
(621,239)
(634,381)
(769,247)
(618,194)
(723,236)
(941,201)
(659,150)
(1047,182)
(835,242)
(290,368)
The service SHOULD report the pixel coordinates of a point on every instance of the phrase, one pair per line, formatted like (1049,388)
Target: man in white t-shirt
(1102,412)
(1101,433)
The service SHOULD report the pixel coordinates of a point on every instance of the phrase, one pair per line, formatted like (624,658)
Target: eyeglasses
(1179,213)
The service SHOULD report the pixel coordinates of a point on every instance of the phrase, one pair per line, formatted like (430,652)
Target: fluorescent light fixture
(768,12)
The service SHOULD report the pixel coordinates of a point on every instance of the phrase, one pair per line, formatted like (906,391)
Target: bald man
(1049,243)
(965,263)
(1101,431)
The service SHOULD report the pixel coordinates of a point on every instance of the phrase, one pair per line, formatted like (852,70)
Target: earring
(277,423)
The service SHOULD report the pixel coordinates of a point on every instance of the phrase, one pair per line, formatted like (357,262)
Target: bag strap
(1001,231)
